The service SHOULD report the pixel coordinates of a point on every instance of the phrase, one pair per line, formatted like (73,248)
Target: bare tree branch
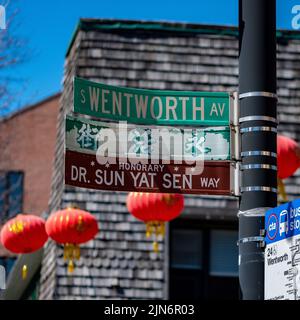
(12,54)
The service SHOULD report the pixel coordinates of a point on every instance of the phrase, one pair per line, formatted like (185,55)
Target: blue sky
(48,26)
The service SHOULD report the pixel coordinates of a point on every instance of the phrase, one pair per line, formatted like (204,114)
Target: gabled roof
(166,26)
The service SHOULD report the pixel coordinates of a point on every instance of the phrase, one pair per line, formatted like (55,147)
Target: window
(203,260)
(186,263)
(7,263)
(11,194)
(185,250)
(223,253)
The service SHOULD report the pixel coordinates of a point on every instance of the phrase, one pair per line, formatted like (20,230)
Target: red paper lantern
(288,156)
(71,227)
(24,234)
(155,209)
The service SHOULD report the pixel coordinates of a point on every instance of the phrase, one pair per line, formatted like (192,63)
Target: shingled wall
(119,263)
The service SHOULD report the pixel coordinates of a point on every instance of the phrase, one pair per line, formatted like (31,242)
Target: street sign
(282,253)
(153,107)
(83,170)
(155,142)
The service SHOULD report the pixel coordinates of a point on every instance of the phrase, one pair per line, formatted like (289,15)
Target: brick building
(198,258)
(27,143)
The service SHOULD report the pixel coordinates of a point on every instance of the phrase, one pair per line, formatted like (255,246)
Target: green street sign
(151,142)
(152,107)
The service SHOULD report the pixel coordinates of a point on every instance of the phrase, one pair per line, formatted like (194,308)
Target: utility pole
(258,126)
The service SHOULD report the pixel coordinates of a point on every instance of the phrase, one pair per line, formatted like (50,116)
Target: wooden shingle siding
(119,263)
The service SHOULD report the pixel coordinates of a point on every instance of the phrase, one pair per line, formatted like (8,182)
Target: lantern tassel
(71,266)
(24,272)
(157,228)
(148,229)
(76,252)
(71,252)
(155,246)
(161,229)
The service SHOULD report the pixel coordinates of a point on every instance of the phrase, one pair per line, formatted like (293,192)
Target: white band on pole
(258,188)
(258,166)
(258,94)
(258,153)
(257,129)
(258,118)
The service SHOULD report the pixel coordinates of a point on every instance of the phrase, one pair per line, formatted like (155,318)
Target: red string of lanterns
(72,226)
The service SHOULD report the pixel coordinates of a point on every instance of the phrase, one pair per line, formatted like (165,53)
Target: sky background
(47,26)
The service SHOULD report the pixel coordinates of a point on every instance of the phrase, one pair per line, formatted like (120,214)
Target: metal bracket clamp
(259,239)
(258,166)
(258,153)
(258,118)
(258,188)
(264,94)
(251,239)
(258,129)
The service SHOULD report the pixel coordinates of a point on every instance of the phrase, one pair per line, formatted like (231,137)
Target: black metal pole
(258,125)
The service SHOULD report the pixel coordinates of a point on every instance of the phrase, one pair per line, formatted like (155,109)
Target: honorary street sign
(83,170)
(282,253)
(152,106)
(159,142)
